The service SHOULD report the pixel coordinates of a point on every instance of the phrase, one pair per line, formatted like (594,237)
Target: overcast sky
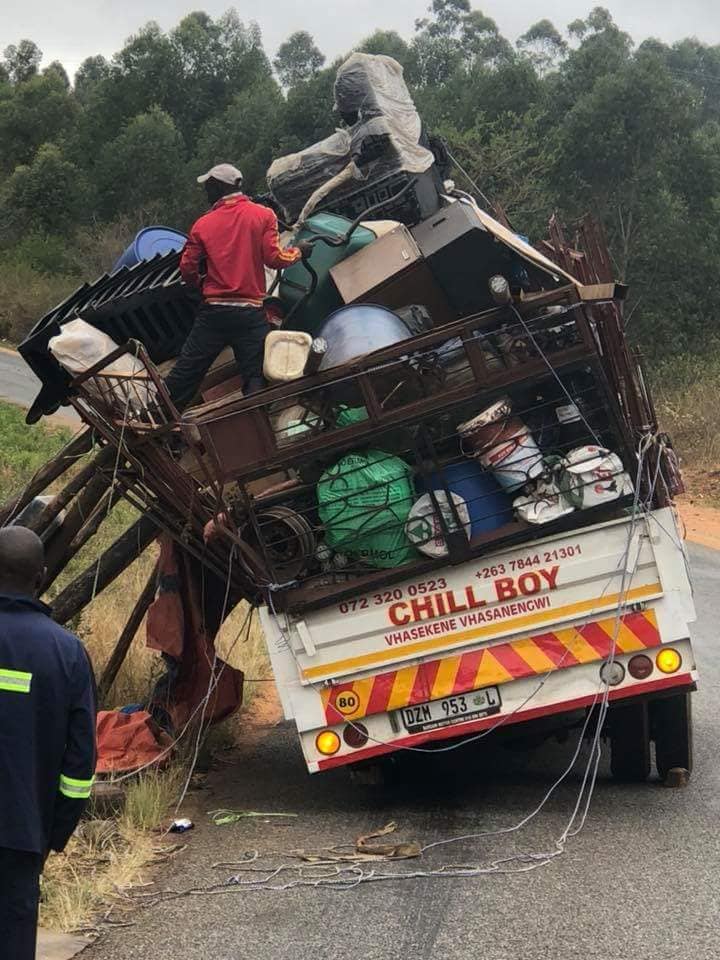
(70,30)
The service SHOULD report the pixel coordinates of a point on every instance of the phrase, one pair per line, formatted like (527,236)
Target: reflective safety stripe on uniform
(15,681)
(75,789)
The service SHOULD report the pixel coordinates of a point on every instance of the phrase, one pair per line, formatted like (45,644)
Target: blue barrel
(488,506)
(150,242)
(358,329)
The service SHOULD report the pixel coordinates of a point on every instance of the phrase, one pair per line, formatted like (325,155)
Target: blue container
(488,506)
(358,329)
(150,242)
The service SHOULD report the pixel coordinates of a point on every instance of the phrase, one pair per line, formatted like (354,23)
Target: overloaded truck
(452,503)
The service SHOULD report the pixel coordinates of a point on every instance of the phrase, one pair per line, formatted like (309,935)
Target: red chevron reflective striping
(424,680)
(512,661)
(645,630)
(467,671)
(380,693)
(556,651)
(598,639)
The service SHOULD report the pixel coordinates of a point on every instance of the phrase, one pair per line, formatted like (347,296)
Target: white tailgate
(576,575)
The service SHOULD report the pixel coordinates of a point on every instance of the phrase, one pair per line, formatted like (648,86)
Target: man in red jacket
(225,258)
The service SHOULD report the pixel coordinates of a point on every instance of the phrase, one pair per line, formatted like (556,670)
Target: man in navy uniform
(47,737)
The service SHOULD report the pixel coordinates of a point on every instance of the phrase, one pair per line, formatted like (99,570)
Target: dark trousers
(216,327)
(19,896)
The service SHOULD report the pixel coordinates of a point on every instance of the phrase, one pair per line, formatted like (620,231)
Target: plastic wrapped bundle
(372,88)
(294,178)
(383,139)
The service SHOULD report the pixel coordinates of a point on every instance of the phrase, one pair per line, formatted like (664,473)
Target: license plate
(451,710)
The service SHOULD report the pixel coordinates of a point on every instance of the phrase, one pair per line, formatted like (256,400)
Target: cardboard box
(391,272)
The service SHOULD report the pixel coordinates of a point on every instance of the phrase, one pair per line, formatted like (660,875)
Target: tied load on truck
(452,503)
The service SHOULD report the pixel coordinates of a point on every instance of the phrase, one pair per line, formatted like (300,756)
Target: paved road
(18,384)
(641,881)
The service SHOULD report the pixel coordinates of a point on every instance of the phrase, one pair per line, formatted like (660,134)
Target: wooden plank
(59,502)
(120,652)
(104,570)
(80,444)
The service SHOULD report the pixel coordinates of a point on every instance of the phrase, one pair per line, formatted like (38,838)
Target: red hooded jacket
(237,239)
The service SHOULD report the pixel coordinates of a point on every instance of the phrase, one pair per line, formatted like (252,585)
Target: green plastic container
(296,279)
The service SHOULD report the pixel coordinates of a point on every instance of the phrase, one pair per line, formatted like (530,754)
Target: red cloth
(127,741)
(237,239)
(165,631)
(176,626)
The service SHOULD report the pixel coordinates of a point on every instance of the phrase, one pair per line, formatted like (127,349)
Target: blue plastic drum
(488,506)
(359,329)
(150,242)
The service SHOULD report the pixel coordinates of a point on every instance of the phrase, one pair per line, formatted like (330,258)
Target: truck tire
(630,742)
(673,734)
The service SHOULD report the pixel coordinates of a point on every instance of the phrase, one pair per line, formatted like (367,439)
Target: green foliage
(142,169)
(244,134)
(578,121)
(543,45)
(22,61)
(25,449)
(48,194)
(45,253)
(26,294)
(508,156)
(388,43)
(298,59)
(37,111)
(91,73)
(308,113)
(57,70)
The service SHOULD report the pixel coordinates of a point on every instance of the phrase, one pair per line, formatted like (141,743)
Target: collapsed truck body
(455,483)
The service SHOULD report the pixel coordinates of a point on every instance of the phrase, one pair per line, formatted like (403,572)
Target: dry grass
(242,645)
(686,397)
(150,796)
(103,620)
(103,861)
(108,857)
(24,450)
(26,294)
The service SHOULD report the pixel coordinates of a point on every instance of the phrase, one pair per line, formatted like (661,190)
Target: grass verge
(685,390)
(107,857)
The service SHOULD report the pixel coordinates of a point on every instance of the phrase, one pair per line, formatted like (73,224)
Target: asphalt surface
(641,881)
(18,384)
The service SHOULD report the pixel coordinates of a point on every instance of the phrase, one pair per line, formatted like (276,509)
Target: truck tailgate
(531,588)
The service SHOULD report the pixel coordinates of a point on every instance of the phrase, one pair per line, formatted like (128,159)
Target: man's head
(22,561)
(221,180)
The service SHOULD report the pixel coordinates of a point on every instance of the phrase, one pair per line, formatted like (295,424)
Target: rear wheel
(673,734)
(630,742)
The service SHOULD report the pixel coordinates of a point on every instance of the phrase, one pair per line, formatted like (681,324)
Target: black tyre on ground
(630,742)
(673,733)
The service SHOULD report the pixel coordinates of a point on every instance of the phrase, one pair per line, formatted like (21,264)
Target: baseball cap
(224,172)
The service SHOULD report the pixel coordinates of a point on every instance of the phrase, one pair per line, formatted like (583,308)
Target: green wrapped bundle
(364,501)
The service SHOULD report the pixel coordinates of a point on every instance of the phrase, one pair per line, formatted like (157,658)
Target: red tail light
(355,735)
(640,667)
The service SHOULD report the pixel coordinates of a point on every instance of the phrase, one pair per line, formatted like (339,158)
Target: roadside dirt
(264,713)
(700,522)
